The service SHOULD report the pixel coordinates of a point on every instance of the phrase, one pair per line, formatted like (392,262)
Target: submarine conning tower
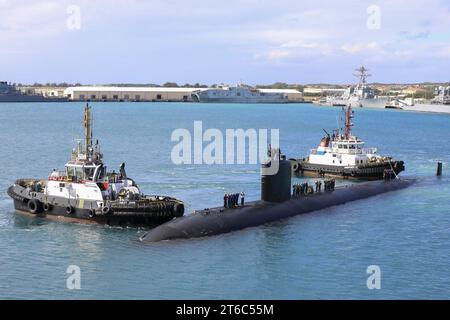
(276,176)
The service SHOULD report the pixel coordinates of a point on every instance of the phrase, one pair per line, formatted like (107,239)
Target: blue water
(322,255)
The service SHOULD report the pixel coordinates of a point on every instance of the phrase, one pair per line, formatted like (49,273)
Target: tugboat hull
(143,213)
(369,172)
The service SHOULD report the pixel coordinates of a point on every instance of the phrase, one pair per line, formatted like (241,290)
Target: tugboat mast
(348,121)
(88,131)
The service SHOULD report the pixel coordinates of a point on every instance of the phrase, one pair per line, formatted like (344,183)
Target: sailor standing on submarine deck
(225,200)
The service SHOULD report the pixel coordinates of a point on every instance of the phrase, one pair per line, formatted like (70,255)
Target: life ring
(106,209)
(70,209)
(35,206)
(47,207)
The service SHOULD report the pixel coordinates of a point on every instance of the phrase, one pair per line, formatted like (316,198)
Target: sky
(213,42)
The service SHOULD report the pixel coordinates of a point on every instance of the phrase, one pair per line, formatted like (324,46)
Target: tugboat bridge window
(80,173)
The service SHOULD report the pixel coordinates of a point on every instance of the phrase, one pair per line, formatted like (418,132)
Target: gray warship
(361,96)
(9,93)
(238,94)
(439,104)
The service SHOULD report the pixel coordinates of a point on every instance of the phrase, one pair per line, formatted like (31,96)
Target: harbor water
(322,255)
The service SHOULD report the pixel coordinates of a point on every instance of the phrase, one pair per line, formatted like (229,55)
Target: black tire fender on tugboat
(35,206)
(106,210)
(178,210)
(70,209)
(91,213)
(47,207)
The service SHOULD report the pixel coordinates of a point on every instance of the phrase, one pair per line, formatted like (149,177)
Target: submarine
(276,203)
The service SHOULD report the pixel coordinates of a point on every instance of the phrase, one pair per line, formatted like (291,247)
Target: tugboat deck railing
(348,151)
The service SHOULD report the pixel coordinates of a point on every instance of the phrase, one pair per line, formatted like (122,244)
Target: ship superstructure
(10,93)
(362,95)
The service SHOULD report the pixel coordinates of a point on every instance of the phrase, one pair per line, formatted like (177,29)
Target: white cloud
(24,23)
(444,52)
(353,48)
(320,48)
(277,54)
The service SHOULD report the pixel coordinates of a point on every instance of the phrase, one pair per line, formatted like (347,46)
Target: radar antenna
(362,74)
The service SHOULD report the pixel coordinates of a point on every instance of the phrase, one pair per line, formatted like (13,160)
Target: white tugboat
(86,191)
(344,155)
(362,95)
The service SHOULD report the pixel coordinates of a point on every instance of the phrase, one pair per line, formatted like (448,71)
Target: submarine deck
(214,221)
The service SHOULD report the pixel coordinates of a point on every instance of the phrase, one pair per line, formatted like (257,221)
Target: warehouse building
(94,93)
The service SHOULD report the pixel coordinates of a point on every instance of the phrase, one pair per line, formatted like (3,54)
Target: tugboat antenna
(348,122)
(88,129)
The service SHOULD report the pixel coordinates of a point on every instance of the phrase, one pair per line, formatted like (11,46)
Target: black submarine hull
(218,221)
